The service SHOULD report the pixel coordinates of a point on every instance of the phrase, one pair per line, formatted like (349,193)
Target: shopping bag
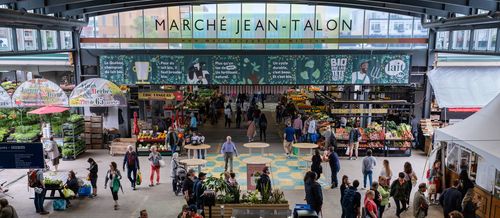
(59,204)
(84,191)
(347,150)
(138,181)
(162,163)
(68,193)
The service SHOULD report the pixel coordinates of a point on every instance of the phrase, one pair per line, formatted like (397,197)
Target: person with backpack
(314,193)
(131,160)
(154,159)
(199,189)
(333,160)
(114,176)
(354,138)
(399,191)
(36,181)
(264,182)
(262,126)
(172,140)
(351,202)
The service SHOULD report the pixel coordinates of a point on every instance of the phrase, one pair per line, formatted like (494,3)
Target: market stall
(476,150)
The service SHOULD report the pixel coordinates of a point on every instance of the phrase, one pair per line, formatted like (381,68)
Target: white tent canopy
(467,87)
(480,133)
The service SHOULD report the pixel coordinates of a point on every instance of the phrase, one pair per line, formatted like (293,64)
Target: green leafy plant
(277,197)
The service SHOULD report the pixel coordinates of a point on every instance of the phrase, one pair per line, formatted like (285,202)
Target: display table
(193,163)
(256,145)
(310,146)
(307,159)
(196,147)
(53,190)
(254,165)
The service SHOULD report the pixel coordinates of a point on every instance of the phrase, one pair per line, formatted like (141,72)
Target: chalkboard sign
(21,156)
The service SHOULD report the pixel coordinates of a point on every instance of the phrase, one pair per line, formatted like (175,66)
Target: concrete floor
(160,201)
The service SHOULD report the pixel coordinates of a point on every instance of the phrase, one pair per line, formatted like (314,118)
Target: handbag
(68,193)
(138,181)
(162,163)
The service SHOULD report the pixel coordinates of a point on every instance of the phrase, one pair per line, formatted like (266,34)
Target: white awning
(456,87)
(479,133)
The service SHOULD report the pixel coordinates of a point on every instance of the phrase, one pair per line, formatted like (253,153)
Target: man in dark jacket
(399,191)
(314,194)
(264,182)
(451,199)
(199,190)
(351,202)
(333,160)
(188,187)
(131,160)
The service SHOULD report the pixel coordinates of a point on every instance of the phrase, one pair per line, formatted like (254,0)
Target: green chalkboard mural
(390,69)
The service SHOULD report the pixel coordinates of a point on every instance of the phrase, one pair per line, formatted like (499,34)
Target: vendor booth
(474,145)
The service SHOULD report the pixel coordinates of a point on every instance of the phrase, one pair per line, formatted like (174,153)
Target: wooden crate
(96,125)
(119,145)
(96,119)
(96,135)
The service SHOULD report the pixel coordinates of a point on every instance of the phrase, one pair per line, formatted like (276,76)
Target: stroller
(180,176)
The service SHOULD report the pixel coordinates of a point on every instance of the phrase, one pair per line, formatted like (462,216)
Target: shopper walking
(154,159)
(386,171)
(316,163)
(435,176)
(199,189)
(370,205)
(351,202)
(311,130)
(369,162)
(6,210)
(354,138)
(377,198)
(52,151)
(172,140)
(251,130)
(288,138)
(227,116)
(410,177)
(420,203)
(451,199)
(297,126)
(384,191)
(114,176)
(228,150)
(36,181)
(399,191)
(131,160)
(314,193)
(93,170)
(193,124)
(238,116)
(262,126)
(279,113)
(333,160)
(264,182)
(470,205)
(188,187)
(344,186)
(174,164)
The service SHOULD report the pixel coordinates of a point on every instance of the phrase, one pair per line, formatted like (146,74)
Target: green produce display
(52,182)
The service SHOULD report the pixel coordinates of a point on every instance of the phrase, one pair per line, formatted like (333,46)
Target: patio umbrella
(136,125)
(48,110)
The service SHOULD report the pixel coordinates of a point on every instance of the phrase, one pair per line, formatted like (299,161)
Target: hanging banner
(161,96)
(39,93)
(359,111)
(359,69)
(97,92)
(5,100)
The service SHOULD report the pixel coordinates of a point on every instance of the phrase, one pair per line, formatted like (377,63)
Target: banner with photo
(39,93)
(5,100)
(383,69)
(97,92)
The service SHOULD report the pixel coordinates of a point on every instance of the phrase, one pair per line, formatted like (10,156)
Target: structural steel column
(430,61)
(77,62)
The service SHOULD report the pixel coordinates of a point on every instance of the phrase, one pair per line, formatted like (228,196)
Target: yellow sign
(162,96)
(360,111)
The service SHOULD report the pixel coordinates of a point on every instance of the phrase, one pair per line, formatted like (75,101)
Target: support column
(430,61)
(77,61)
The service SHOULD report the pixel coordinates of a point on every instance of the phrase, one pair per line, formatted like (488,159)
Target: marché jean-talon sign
(248,25)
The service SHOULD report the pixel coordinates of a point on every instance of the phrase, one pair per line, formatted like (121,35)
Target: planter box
(228,208)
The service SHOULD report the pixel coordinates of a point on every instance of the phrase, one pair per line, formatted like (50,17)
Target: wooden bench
(228,208)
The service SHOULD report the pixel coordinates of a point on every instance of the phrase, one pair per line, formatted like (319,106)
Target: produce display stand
(73,143)
(394,150)
(145,140)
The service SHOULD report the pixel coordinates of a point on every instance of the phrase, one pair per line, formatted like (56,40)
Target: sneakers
(44,213)
(350,158)
(151,185)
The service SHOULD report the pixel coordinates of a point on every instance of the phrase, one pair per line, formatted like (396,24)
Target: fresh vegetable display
(52,182)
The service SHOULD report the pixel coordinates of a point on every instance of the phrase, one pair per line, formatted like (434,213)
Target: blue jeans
(201,154)
(133,171)
(173,148)
(369,175)
(39,198)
